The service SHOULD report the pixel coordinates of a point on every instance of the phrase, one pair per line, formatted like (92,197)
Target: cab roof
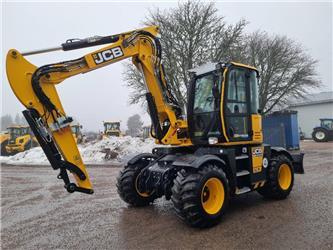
(210,66)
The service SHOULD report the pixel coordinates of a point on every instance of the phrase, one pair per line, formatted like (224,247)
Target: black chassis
(160,172)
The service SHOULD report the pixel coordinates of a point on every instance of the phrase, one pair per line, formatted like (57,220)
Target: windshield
(206,105)
(327,124)
(203,95)
(113,126)
(16,132)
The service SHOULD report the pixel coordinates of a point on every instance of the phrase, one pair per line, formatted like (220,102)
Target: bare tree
(134,125)
(6,121)
(192,34)
(286,70)
(17,119)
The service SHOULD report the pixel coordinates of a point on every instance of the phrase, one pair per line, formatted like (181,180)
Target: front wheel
(127,185)
(280,178)
(200,197)
(319,135)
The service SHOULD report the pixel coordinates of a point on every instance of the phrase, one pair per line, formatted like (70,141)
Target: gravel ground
(37,213)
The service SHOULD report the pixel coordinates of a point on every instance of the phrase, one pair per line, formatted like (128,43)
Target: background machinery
(146,132)
(324,132)
(4,137)
(77,133)
(216,152)
(111,128)
(20,139)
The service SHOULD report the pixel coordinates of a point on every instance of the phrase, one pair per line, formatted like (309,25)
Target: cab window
(206,105)
(254,92)
(204,99)
(236,109)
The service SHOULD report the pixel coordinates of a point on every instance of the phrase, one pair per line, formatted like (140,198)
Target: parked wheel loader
(111,128)
(212,153)
(20,139)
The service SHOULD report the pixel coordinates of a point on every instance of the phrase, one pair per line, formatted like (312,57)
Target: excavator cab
(223,105)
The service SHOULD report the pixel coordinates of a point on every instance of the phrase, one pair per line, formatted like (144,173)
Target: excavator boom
(35,88)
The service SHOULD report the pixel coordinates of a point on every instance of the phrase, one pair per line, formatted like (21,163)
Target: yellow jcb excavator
(216,151)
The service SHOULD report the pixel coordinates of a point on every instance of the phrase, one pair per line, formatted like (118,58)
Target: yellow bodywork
(20,71)
(4,137)
(143,54)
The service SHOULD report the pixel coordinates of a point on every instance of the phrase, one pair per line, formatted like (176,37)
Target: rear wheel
(127,185)
(319,135)
(280,178)
(201,197)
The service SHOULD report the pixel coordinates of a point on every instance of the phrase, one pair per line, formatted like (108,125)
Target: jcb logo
(107,55)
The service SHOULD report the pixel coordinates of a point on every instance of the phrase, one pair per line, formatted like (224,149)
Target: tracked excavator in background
(216,151)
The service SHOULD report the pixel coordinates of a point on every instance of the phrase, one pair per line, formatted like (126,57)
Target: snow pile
(108,150)
(117,149)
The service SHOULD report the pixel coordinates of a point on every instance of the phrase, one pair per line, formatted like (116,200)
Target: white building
(311,109)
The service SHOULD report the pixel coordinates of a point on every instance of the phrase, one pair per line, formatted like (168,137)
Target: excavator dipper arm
(35,88)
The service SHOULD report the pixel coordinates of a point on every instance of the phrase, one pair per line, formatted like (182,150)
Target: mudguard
(295,158)
(194,161)
(139,157)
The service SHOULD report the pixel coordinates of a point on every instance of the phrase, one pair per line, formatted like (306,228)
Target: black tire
(320,135)
(273,187)
(126,186)
(3,149)
(187,195)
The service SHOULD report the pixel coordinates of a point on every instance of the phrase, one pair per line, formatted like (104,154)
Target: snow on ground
(108,150)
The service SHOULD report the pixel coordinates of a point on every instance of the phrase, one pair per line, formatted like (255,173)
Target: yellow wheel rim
(142,194)
(284,176)
(212,196)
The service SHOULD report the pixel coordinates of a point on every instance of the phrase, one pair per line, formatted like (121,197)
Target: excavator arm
(35,88)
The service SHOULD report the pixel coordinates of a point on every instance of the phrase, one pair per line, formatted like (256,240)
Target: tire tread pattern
(272,189)
(186,196)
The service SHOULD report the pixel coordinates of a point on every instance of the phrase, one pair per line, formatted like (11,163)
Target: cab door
(241,114)
(204,108)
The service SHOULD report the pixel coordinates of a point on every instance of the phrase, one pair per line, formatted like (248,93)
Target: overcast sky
(102,94)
